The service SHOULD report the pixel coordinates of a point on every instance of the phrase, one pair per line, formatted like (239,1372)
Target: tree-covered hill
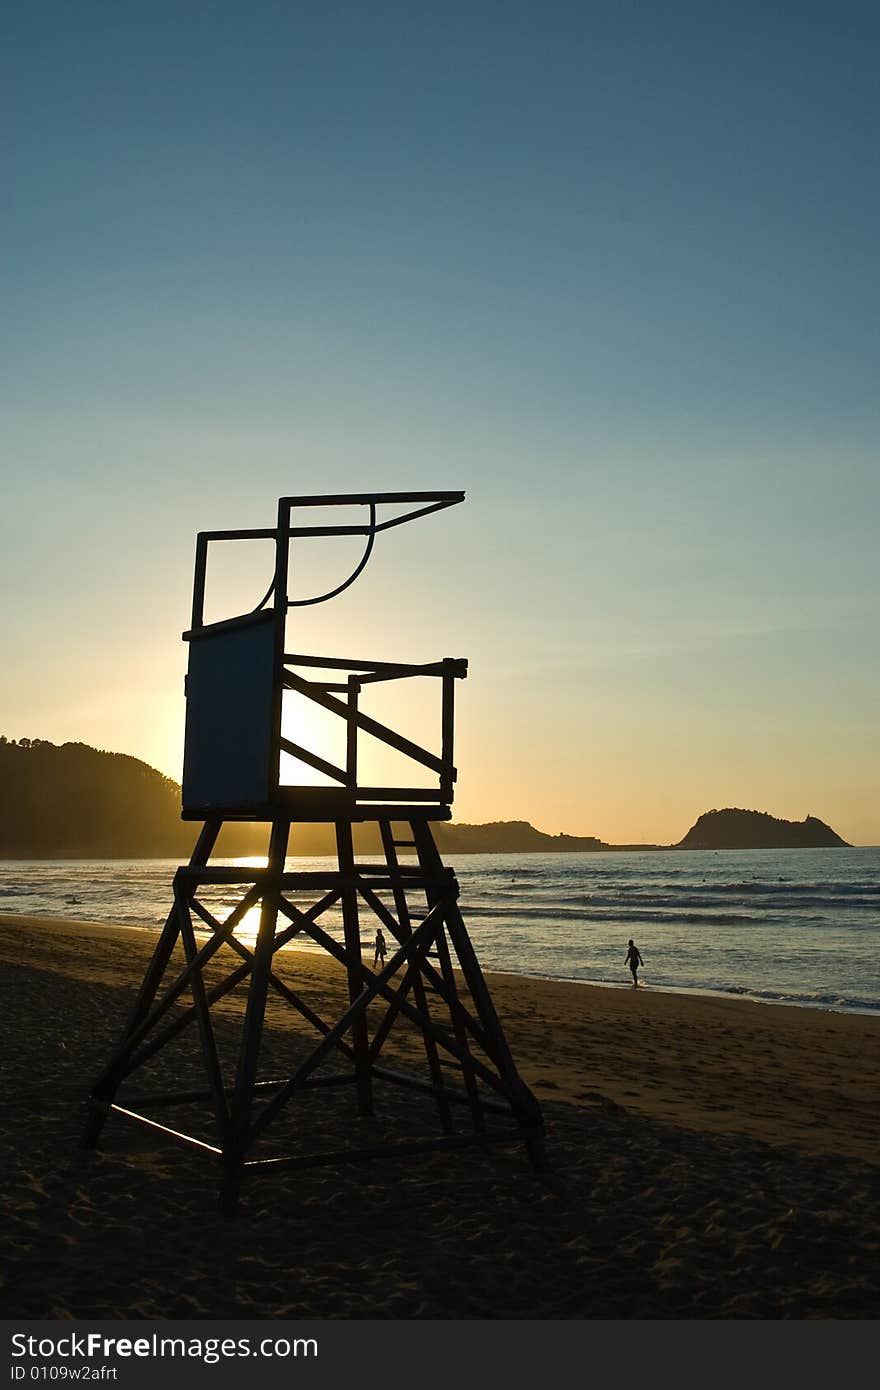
(71,800)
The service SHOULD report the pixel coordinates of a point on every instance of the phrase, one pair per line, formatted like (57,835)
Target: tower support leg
(401,905)
(525,1106)
(104,1090)
(352,932)
(237,1133)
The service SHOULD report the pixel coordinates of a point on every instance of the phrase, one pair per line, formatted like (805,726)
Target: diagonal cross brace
(218,991)
(158,1040)
(406,984)
(440,1035)
(416,964)
(173,993)
(203,1015)
(374,984)
(278,985)
(364,722)
(432,975)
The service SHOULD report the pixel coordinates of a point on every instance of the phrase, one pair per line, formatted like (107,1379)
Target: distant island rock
(733,828)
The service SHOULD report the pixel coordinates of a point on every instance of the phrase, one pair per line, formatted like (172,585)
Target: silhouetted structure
(239,673)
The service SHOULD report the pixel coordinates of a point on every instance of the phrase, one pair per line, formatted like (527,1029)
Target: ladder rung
(405,870)
(399,844)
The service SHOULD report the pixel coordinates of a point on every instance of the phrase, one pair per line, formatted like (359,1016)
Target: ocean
(795,927)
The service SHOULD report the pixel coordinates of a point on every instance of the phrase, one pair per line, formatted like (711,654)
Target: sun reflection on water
(222,899)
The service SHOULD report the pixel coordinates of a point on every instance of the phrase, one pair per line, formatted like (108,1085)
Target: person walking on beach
(379,952)
(634,960)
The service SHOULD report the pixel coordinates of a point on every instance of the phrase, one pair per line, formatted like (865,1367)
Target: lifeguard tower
(240,673)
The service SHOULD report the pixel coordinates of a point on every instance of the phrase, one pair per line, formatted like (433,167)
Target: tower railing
(325,694)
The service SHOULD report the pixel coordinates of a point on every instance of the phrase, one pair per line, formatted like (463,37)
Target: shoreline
(685,991)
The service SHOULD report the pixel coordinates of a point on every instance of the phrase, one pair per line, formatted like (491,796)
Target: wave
(510,873)
(776,906)
(831,1000)
(642,897)
(791,886)
(622,912)
(683,902)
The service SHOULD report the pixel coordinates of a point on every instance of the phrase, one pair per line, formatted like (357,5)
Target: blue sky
(613,269)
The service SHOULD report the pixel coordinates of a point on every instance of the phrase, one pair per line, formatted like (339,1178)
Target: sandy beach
(710,1158)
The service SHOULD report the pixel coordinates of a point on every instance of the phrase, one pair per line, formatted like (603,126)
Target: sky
(611,269)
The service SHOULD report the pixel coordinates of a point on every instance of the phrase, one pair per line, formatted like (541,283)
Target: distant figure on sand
(379,952)
(634,960)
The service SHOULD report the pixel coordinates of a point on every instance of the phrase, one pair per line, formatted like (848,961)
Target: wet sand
(710,1158)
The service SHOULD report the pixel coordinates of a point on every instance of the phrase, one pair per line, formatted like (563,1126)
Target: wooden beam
(411,979)
(275,983)
(346,499)
(170,1098)
(198,603)
(373,985)
(389,668)
(435,668)
(351,742)
(279,609)
(397,793)
(203,1016)
(525,1103)
(318,910)
(353,963)
(195,634)
(455,1005)
(365,723)
(252,1030)
(319,764)
(401,904)
(260,533)
(108,1082)
(448,773)
(158,1040)
(381,1151)
(176,1134)
(377,985)
(454,1094)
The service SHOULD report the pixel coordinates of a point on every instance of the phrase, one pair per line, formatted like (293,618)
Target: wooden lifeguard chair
(238,677)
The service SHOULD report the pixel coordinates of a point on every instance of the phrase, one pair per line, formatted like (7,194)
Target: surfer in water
(634,960)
